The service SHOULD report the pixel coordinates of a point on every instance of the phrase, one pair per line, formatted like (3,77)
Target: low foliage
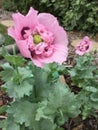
(40,100)
(5,39)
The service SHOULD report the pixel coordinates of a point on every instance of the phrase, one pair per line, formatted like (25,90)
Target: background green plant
(85,76)
(72,14)
(7,39)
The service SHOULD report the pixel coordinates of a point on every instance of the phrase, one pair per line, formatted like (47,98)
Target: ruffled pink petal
(23,48)
(21,21)
(18,19)
(86,38)
(11,32)
(59,55)
(79,52)
(37,62)
(31,18)
(51,23)
(40,48)
(18,23)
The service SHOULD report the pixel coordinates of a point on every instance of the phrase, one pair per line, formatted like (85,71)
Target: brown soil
(79,124)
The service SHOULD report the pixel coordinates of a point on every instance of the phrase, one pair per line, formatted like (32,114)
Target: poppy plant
(39,37)
(83,46)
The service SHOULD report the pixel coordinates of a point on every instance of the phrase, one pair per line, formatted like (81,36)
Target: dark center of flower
(37,39)
(23,31)
(46,49)
(87,47)
(32,52)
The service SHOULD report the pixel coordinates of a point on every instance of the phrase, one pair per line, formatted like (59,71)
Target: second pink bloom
(83,46)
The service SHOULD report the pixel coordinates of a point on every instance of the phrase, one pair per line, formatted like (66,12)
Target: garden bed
(77,123)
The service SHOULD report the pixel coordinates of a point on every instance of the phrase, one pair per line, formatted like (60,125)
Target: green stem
(15,66)
(35,91)
(22,127)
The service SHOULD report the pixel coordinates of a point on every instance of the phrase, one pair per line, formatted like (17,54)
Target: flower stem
(35,91)
(22,127)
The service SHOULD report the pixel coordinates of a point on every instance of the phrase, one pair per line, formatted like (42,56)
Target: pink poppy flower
(83,46)
(39,37)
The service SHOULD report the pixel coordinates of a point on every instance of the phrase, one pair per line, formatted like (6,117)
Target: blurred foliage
(72,14)
(7,39)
